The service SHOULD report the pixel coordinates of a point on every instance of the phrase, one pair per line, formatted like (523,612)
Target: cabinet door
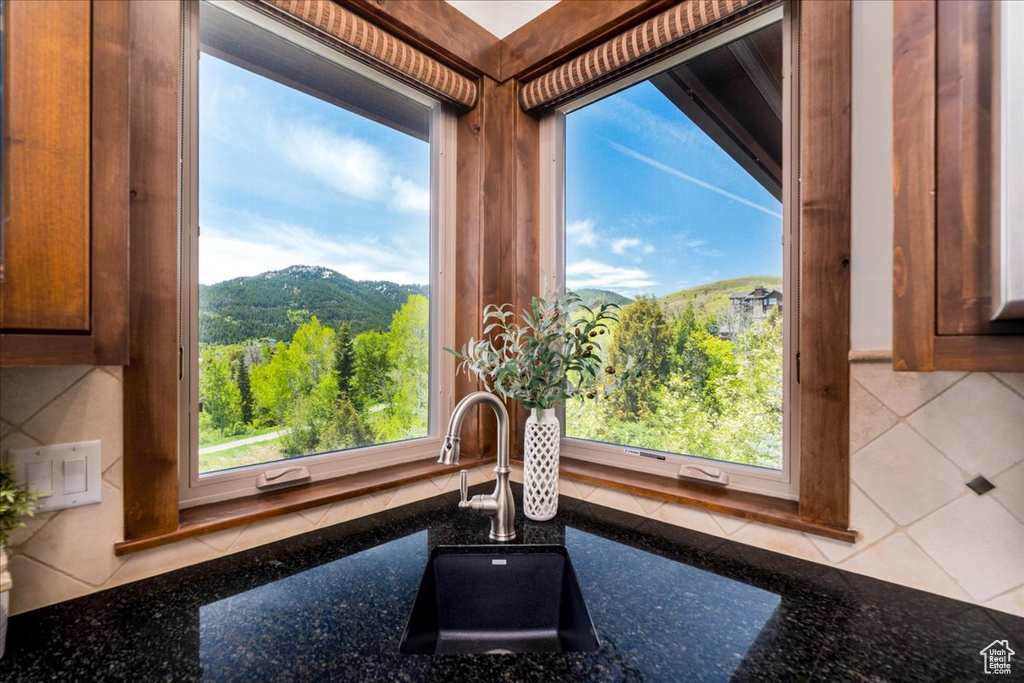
(943,73)
(63,291)
(46,120)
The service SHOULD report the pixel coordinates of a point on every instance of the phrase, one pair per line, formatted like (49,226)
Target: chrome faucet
(499,506)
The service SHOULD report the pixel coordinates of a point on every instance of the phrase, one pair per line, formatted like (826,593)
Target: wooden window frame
(942,223)
(497,259)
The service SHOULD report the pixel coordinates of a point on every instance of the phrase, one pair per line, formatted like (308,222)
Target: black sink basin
(498,599)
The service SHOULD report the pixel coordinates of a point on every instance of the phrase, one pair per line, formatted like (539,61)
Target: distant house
(758,303)
(747,307)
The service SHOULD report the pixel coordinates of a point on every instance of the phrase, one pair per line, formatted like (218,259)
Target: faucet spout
(499,506)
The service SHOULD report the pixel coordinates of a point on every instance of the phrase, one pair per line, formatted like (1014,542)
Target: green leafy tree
(221,399)
(408,355)
(642,335)
(372,381)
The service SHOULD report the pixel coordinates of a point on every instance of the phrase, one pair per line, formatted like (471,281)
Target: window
(675,208)
(313,229)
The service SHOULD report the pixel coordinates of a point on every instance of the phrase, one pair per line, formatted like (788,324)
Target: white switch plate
(35,458)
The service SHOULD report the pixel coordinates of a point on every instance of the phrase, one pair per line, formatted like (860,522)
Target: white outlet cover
(58,497)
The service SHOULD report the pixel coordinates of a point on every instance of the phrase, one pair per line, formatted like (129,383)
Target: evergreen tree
(344,360)
(245,390)
(642,336)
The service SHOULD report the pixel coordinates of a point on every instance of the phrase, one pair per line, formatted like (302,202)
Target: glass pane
(314,253)
(673,212)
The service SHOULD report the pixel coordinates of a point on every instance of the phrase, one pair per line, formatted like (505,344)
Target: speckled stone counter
(668,604)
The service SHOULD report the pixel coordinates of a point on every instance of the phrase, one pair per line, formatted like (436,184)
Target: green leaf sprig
(15,502)
(545,357)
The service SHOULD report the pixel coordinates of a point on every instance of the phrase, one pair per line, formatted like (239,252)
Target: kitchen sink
(498,600)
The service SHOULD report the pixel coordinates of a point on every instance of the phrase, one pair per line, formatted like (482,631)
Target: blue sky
(654,206)
(287,179)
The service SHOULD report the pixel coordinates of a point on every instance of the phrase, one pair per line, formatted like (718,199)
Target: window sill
(752,506)
(206,519)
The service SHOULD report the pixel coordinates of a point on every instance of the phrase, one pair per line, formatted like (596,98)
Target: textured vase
(540,470)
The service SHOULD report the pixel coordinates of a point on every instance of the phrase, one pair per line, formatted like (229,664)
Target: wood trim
(825,105)
(752,506)
(106,343)
(151,378)
(110,178)
(980,353)
(430,26)
(207,519)
(567,29)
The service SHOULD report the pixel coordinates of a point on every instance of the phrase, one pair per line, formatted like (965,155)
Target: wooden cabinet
(942,181)
(63,293)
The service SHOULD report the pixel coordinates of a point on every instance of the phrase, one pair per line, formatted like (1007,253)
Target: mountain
(256,307)
(593,298)
(711,299)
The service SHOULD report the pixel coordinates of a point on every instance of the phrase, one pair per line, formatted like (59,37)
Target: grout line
(1005,593)
(72,576)
(964,474)
(51,401)
(941,568)
(1005,384)
(885,513)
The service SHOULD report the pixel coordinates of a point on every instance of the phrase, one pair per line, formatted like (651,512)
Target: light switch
(68,474)
(40,477)
(74,476)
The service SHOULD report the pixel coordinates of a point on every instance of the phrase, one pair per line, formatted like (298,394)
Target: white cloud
(582,232)
(624,244)
(274,246)
(348,165)
(590,273)
(408,197)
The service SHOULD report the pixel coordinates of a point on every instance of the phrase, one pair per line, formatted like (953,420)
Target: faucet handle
(464,488)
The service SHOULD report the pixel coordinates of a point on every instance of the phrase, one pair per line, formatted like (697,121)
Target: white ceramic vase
(540,469)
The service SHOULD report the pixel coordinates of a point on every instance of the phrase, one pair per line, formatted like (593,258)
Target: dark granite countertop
(668,604)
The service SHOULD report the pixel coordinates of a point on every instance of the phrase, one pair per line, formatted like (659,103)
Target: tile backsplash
(916,439)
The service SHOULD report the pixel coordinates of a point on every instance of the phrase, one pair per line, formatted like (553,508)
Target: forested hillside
(712,299)
(258,307)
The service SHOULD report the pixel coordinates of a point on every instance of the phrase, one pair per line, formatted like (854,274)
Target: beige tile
(688,517)
(1011,602)
(410,493)
(268,531)
(904,475)
(91,409)
(80,541)
(115,474)
(35,585)
(1009,490)
(5,429)
(729,524)
(786,541)
(115,371)
(616,500)
(24,391)
(221,540)
(868,417)
(649,505)
(567,487)
(315,515)
(15,439)
(899,560)
(447,482)
(353,508)
(870,522)
(20,535)
(977,542)
(1014,379)
(585,489)
(902,392)
(979,424)
(160,560)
